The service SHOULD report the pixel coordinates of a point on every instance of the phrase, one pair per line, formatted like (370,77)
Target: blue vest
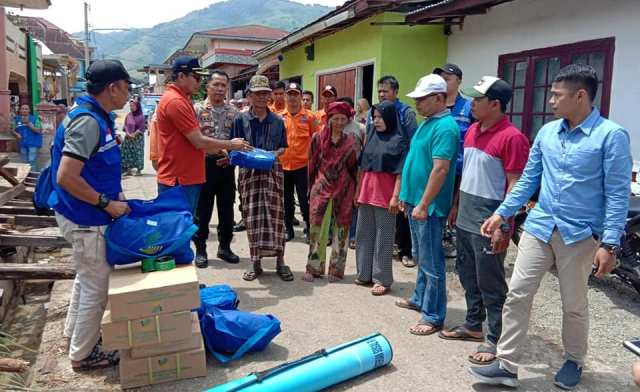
(461,112)
(29,138)
(101,171)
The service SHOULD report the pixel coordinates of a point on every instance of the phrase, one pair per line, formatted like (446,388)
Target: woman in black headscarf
(381,164)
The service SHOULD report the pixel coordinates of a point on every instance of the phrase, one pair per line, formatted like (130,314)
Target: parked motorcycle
(627,267)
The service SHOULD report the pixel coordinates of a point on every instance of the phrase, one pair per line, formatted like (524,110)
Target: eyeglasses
(196,76)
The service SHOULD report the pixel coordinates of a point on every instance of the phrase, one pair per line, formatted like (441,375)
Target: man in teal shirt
(426,194)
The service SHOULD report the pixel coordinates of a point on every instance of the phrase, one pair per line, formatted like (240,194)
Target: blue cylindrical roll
(319,370)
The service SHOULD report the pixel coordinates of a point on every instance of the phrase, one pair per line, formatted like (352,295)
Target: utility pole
(87,56)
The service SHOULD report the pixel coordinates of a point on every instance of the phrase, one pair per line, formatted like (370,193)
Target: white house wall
(533,24)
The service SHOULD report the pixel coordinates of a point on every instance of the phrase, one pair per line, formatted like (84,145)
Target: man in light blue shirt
(582,165)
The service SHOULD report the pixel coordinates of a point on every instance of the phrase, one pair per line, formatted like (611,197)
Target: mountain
(153,45)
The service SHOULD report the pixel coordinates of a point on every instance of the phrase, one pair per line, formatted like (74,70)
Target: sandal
(252,274)
(284,272)
(361,282)
(334,278)
(408,262)
(483,349)
(379,290)
(406,304)
(98,359)
(459,333)
(416,330)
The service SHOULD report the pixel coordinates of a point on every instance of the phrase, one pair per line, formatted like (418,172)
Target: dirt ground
(321,315)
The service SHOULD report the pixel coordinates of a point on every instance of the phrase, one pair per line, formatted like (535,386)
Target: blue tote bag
(230,333)
(160,227)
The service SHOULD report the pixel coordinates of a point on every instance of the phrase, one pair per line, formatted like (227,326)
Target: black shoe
(289,234)
(202,259)
(225,254)
(295,221)
(239,227)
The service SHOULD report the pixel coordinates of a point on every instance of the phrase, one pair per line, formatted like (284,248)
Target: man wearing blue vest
(460,108)
(85,170)
(388,88)
(28,132)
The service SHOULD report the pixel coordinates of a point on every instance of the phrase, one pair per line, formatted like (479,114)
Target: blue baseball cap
(188,64)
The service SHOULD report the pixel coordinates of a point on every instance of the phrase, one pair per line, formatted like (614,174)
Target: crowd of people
(368,177)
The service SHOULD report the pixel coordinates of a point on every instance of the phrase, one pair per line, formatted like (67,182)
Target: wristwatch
(103,201)
(505,227)
(612,249)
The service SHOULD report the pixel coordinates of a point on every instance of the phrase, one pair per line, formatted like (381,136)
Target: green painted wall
(411,52)
(407,52)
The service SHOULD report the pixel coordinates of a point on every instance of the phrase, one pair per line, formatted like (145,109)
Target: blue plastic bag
(229,333)
(153,228)
(219,296)
(255,159)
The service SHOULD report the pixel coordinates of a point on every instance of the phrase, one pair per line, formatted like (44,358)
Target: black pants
(220,188)
(403,236)
(295,180)
(482,276)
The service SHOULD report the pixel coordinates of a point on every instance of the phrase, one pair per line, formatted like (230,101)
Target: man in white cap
(426,193)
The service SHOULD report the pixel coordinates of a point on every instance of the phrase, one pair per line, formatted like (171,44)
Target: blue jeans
(191,192)
(30,155)
(430,294)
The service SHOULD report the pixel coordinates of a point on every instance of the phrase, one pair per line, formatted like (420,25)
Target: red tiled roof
(248,31)
(56,39)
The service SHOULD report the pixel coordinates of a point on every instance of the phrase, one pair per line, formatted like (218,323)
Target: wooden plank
(21,271)
(29,220)
(17,210)
(11,193)
(35,220)
(6,174)
(19,203)
(33,240)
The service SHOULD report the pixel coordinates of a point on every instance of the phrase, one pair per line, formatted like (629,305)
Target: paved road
(321,314)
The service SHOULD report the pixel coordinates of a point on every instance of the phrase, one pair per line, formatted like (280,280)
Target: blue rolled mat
(319,370)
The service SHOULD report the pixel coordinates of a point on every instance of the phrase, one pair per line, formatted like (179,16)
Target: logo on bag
(152,238)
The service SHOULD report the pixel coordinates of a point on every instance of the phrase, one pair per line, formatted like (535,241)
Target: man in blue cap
(86,175)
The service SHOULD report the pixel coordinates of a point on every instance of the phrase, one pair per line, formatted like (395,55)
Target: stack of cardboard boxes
(149,320)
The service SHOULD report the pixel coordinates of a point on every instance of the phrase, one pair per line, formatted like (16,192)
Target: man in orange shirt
(300,125)
(181,144)
(277,93)
(329,94)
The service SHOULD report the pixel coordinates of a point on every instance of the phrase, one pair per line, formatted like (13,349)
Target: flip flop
(379,290)
(406,304)
(460,333)
(483,349)
(433,329)
(284,272)
(252,274)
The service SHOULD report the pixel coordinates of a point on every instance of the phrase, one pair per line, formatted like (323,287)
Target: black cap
(449,69)
(106,71)
(187,64)
(294,87)
(330,89)
(492,88)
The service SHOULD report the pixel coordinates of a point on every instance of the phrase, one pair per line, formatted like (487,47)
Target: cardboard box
(152,330)
(162,368)
(191,343)
(134,295)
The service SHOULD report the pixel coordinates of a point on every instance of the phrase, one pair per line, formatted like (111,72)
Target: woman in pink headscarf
(333,168)
(132,148)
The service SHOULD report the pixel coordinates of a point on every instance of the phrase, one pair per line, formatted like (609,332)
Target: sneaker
(568,376)
(494,374)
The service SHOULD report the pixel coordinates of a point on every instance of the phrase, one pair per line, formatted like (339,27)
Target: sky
(109,14)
